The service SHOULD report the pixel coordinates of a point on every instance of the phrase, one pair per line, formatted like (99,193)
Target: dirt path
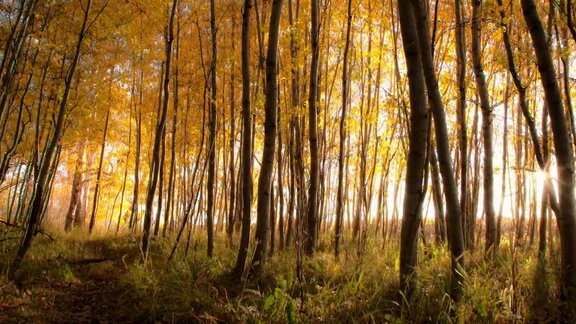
(91,291)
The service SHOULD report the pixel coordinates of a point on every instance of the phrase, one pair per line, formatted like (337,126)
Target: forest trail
(86,290)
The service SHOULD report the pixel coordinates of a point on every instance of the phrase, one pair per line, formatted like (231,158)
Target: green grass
(359,287)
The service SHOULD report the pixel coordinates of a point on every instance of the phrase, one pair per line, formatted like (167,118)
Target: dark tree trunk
(417,149)
(270,106)
(340,193)
(454,218)
(212,115)
(563,146)
(246,158)
(461,107)
(160,129)
(312,215)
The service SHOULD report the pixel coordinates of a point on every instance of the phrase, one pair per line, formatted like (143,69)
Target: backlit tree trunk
(270,106)
(482,89)
(417,149)
(563,146)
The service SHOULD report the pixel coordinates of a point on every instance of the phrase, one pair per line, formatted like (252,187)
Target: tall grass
(362,286)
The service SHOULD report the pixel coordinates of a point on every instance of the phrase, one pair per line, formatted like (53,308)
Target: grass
(356,288)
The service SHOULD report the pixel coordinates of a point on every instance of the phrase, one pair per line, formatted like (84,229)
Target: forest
(224,161)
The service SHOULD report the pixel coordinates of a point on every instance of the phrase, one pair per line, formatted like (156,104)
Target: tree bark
(212,115)
(488,183)
(454,218)
(461,107)
(160,129)
(76,194)
(417,149)
(246,157)
(563,146)
(270,119)
(342,132)
(312,216)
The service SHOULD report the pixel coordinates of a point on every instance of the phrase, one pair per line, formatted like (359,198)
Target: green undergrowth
(361,286)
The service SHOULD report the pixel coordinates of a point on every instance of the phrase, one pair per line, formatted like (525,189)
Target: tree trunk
(160,183)
(488,183)
(134,211)
(461,107)
(417,149)
(246,162)
(212,115)
(160,129)
(312,216)
(563,146)
(172,172)
(454,219)
(76,194)
(340,193)
(270,106)
(231,168)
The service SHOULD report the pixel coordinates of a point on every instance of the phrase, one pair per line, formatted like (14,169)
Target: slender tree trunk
(504,166)
(342,132)
(270,106)
(312,216)
(280,192)
(172,172)
(231,168)
(101,161)
(134,211)
(490,239)
(212,115)
(439,219)
(246,162)
(461,107)
(160,183)
(125,171)
(160,129)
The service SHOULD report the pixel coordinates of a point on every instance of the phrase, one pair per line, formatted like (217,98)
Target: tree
(270,106)
(160,129)
(416,159)
(212,132)
(460,33)
(454,218)
(41,184)
(562,145)
(100,162)
(73,216)
(312,215)
(342,132)
(246,162)
(482,90)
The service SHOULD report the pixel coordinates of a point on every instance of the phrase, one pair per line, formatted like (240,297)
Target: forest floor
(74,279)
